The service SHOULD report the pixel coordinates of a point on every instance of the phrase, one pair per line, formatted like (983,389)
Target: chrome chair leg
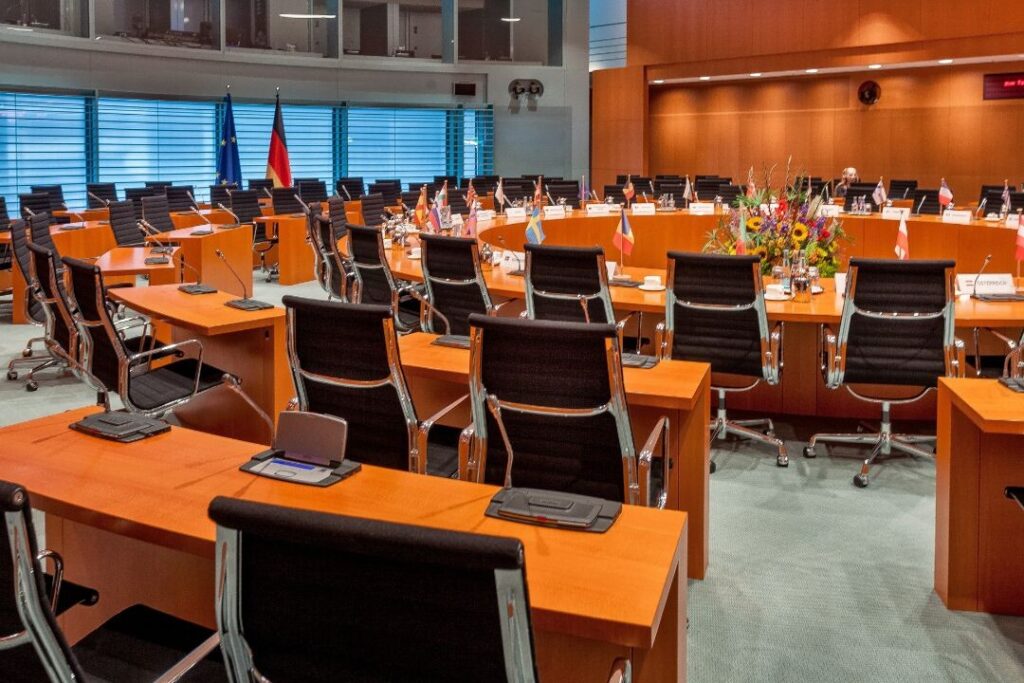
(721,427)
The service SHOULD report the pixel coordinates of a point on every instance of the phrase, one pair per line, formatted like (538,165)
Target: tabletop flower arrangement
(768,225)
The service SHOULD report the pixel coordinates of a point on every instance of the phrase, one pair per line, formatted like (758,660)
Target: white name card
(841,284)
(515,213)
(830,210)
(645,209)
(959,217)
(895,213)
(484,215)
(702,209)
(988,283)
(598,209)
(513,260)
(1013,220)
(556,211)
(456,219)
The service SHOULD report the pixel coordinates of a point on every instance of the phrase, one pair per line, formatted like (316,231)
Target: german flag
(278,168)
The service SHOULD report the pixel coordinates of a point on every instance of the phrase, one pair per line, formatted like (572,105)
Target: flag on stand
(903,240)
(688,190)
(538,193)
(623,238)
(469,227)
(1006,196)
(584,194)
(945,194)
(441,198)
(499,195)
(229,168)
(534,229)
(470,194)
(279,169)
(420,214)
(879,196)
(628,191)
(434,218)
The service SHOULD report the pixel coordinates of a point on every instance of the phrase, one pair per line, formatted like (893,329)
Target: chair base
(883,443)
(722,426)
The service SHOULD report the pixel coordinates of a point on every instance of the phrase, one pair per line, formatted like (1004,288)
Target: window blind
(309,131)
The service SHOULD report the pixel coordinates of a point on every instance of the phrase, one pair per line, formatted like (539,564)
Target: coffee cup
(775,290)
(611,266)
(414,252)
(652,281)
(387,242)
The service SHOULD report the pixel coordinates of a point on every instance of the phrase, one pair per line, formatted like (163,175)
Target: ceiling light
(874,66)
(705,78)
(288,15)
(511,20)
(658,82)
(24,29)
(811,71)
(756,74)
(945,61)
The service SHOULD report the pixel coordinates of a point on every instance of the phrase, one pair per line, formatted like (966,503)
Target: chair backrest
(37,650)
(715,313)
(54,192)
(897,323)
(102,352)
(137,194)
(560,281)
(453,181)
(413,591)
(615,192)
(995,200)
(285,201)
(562,404)
(221,194)
(245,204)
(180,197)
(986,190)
(312,190)
(858,190)
(927,202)
(391,190)
(454,282)
(344,360)
(39,232)
(729,193)
(104,191)
(124,226)
(373,208)
(157,213)
(569,191)
(35,202)
(5,218)
(50,293)
(332,274)
(374,282)
(23,261)
(355,187)
(159,184)
(457,202)
(707,188)
(900,189)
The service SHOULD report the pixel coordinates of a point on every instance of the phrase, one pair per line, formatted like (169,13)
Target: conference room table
(131,521)
(202,216)
(97,214)
(199,246)
(132,261)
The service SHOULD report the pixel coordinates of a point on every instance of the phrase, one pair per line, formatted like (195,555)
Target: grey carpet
(810,579)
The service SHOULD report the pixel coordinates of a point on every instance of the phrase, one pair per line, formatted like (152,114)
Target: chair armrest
(832,363)
(622,671)
(468,465)
(956,359)
(58,574)
(1011,363)
(165,349)
(427,310)
(176,672)
(424,431)
(773,357)
(661,348)
(644,460)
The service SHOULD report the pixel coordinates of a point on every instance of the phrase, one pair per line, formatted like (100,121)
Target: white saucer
(413,258)
(817,289)
(659,288)
(772,296)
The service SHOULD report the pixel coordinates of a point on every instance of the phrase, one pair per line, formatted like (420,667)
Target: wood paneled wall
(928,123)
(618,109)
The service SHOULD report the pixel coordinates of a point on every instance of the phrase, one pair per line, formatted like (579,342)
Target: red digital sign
(1004,86)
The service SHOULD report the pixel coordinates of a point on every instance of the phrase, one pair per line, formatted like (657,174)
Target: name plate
(598,210)
(841,283)
(645,209)
(556,211)
(515,213)
(959,217)
(485,215)
(830,210)
(895,213)
(456,219)
(702,209)
(1013,220)
(988,283)
(513,260)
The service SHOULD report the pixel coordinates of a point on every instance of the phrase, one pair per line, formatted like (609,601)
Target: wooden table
(248,344)
(199,254)
(437,375)
(97,214)
(979,533)
(191,219)
(77,240)
(294,254)
(132,261)
(132,521)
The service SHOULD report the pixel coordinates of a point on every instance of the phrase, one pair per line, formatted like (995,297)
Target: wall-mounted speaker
(869,92)
(464,89)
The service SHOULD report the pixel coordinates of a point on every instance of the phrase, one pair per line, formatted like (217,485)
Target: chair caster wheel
(12,375)
(809,452)
(26,353)
(860,481)
(713,467)
(31,385)
(782,461)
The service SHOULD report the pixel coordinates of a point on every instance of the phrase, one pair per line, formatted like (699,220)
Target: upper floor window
(175,23)
(305,27)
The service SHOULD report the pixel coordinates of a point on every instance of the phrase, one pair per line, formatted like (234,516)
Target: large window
(140,140)
(509,30)
(65,16)
(307,27)
(177,23)
(397,143)
(42,142)
(308,132)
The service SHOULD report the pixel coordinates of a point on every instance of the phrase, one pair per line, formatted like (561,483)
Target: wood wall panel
(929,123)
(618,115)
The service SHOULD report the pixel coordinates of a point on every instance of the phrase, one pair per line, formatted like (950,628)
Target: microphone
(347,194)
(651,183)
(233,214)
(245,303)
(268,193)
(593,193)
(202,231)
(147,229)
(198,287)
(984,265)
(195,204)
(101,200)
(981,207)
(550,198)
(906,191)
(920,205)
(520,271)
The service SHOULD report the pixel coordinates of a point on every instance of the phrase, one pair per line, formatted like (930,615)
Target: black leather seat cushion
(171,382)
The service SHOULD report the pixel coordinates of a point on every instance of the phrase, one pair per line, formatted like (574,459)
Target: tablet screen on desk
(282,468)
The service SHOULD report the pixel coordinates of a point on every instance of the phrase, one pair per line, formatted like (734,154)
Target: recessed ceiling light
(288,15)
(705,78)
(756,74)
(811,71)
(511,20)
(874,66)
(658,82)
(945,61)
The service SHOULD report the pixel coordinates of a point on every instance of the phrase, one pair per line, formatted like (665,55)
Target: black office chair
(220,194)
(986,190)
(136,194)
(333,271)
(156,214)
(286,201)
(354,186)
(926,202)
(453,181)
(244,205)
(312,190)
(138,644)
(568,284)
(390,190)
(397,623)
(31,204)
(569,191)
(857,191)
(457,202)
(373,210)
(261,184)
(707,188)
(994,201)
(127,232)
(55,193)
(615,192)
(39,231)
(160,185)
(715,313)
(99,195)
(6,252)
(46,286)
(411,198)
(902,189)
(263,240)
(485,183)
(33,310)
(453,283)
(729,193)
(896,329)
(181,197)
(374,281)
(345,363)
(550,396)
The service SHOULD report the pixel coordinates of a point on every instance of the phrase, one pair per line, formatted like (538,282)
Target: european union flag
(229,168)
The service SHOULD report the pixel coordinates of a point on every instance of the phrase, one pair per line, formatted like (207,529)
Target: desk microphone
(550,198)
(198,287)
(347,194)
(520,271)
(653,191)
(984,265)
(226,209)
(920,205)
(906,191)
(268,193)
(147,229)
(981,207)
(245,303)
(195,204)
(593,193)
(101,200)
(202,231)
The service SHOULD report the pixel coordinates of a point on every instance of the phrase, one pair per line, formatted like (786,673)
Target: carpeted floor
(810,579)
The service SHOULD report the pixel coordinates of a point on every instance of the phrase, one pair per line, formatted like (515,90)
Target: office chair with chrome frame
(453,283)
(333,270)
(344,361)
(373,208)
(127,232)
(33,203)
(156,213)
(897,328)
(374,281)
(550,395)
(47,287)
(6,251)
(33,309)
(137,644)
(715,313)
(99,195)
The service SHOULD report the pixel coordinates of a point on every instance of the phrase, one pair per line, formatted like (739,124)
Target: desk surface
(203,313)
(993,408)
(132,261)
(181,234)
(672,385)
(611,586)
